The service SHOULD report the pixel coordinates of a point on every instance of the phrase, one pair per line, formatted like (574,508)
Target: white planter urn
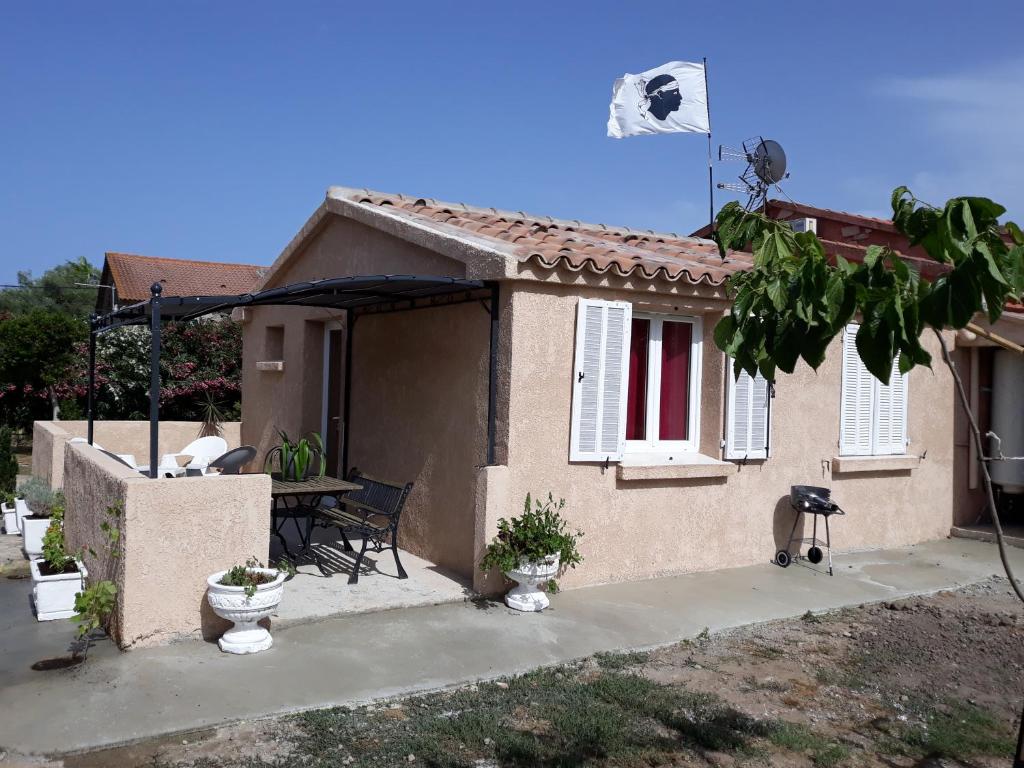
(10,513)
(33,529)
(529,576)
(233,604)
(21,511)
(54,596)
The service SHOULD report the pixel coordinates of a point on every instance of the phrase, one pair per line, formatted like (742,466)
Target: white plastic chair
(204,450)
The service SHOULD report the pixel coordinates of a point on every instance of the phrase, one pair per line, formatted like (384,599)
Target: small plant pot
(10,513)
(54,595)
(32,530)
(21,511)
(527,595)
(231,603)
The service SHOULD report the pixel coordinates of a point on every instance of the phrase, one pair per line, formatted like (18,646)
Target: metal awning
(373,293)
(355,295)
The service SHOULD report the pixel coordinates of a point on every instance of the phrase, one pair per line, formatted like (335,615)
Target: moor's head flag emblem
(669,99)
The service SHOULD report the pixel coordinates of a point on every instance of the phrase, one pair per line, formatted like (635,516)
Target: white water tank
(1008,419)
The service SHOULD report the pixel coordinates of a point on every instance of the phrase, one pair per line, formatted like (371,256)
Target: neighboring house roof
(477,236)
(132,275)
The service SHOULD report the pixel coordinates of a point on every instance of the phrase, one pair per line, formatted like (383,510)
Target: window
(747,416)
(664,370)
(873,416)
(635,383)
(273,342)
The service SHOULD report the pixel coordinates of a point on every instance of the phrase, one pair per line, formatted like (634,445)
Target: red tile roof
(573,245)
(132,276)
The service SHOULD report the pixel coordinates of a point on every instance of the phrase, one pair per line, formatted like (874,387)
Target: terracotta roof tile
(572,245)
(133,275)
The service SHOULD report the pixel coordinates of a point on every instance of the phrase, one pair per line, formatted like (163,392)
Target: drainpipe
(492,382)
(92,374)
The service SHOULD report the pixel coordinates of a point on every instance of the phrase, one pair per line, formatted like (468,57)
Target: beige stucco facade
(419,404)
(174,533)
(132,437)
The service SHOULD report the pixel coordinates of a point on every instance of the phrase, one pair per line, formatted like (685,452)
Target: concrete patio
(121,697)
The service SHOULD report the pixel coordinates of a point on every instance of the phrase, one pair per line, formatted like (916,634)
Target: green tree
(55,291)
(36,348)
(8,462)
(794,301)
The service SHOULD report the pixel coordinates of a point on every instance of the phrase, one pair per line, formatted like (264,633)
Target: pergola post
(154,379)
(492,380)
(92,375)
(350,322)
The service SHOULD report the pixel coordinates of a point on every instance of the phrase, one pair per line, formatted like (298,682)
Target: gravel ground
(931,681)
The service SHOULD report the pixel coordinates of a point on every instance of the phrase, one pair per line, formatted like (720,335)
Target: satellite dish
(766,167)
(769,162)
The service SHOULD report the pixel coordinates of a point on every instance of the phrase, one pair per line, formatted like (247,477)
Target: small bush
(8,462)
(39,496)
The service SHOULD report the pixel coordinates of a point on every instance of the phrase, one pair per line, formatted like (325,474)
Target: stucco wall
(48,438)
(640,529)
(419,383)
(174,534)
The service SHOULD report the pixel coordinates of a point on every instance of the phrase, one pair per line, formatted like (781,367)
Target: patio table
(295,499)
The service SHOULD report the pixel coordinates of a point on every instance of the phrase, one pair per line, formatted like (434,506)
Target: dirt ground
(931,681)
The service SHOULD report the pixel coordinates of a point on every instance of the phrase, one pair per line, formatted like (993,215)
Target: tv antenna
(766,167)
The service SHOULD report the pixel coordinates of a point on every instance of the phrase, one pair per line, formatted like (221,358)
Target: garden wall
(174,533)
(48,438)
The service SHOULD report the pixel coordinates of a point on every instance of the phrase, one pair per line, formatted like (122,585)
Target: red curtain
(675,380)
(636,395)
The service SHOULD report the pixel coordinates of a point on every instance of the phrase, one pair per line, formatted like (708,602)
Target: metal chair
(232,462)
(373,513)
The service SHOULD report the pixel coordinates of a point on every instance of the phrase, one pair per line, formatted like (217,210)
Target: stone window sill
(270,365)
(844,465)
(682,468)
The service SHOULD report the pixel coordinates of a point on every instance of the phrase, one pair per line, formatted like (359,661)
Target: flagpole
(711,175)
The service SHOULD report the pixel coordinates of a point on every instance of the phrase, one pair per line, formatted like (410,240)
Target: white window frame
(651,447)
(846,447)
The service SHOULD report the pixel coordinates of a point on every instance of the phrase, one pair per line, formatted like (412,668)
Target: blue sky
(211,130)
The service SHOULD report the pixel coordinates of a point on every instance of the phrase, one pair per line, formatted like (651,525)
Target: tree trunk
(976,435)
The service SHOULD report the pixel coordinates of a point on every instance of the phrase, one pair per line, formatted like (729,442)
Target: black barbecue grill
(809,500)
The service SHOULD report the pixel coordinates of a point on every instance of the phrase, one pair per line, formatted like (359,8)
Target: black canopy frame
(355,295)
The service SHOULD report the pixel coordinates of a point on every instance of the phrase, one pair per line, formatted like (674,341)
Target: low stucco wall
(174,533)
(49,437)
(636,529)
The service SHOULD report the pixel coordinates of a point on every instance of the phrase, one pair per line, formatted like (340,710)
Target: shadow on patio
(312,595)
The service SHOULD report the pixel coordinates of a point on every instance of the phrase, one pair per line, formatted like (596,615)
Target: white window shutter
(598,431)
(747,416)
(891,414)
(856,413)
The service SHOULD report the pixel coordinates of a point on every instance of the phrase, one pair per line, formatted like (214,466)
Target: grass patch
(799,738)
(961,732)
(615,661)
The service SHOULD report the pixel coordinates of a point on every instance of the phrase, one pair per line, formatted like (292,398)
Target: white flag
(671,98)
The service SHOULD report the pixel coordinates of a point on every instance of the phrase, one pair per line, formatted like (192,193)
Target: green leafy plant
(96,602)
(8,461)
(251,575)
(39,496)
(794,301)
(536,534)
(54,550)
(295,460)
(8,497)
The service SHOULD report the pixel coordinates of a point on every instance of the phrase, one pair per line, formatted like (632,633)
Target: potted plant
(57,577)
(10,512)
(245,595)
(41,501)
(531,550)
(296,461)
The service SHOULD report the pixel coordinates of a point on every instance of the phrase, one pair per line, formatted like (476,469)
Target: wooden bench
(372,512)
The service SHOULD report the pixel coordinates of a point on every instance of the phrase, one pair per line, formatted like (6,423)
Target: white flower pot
(10,519)
(21,510)
(233,604)
(33,529)
(527,595)
(54,596)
